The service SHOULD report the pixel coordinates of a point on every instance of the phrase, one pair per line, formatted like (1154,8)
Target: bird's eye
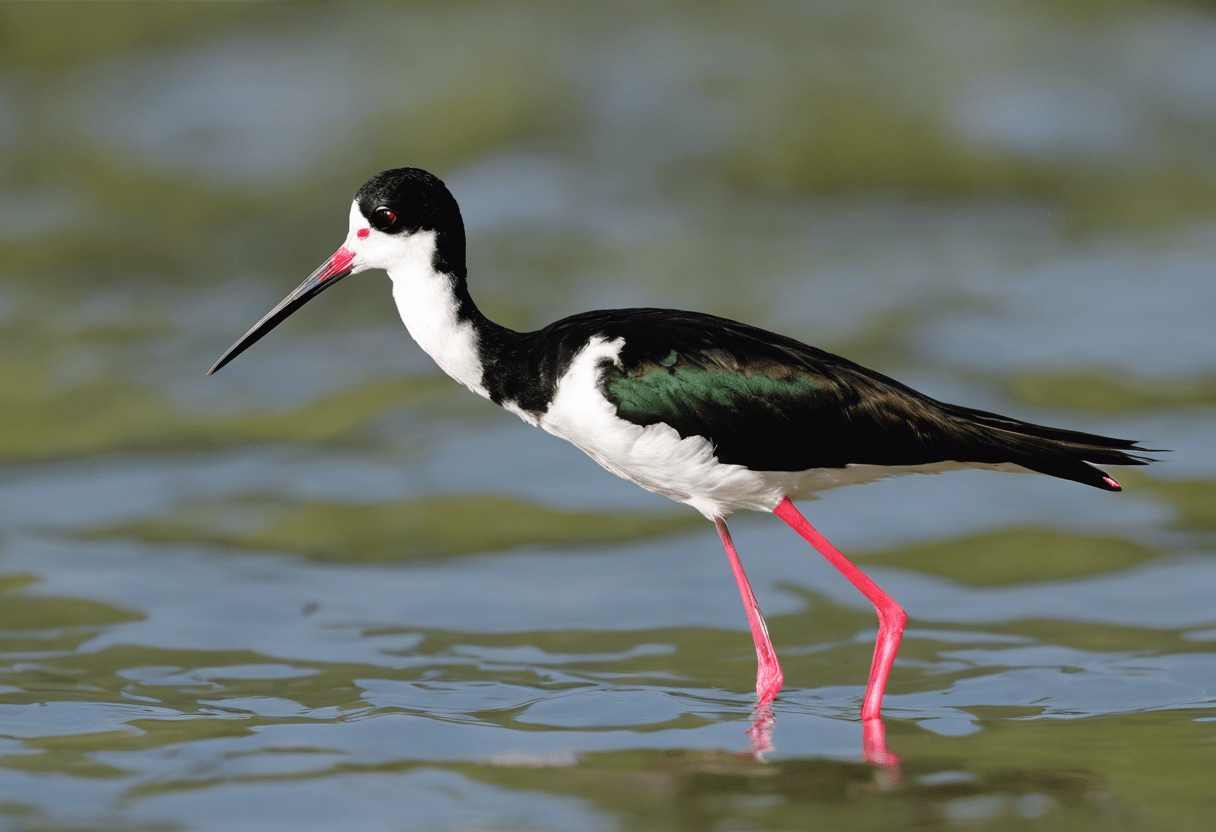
(383,218)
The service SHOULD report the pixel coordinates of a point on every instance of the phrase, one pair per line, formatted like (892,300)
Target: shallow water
(330,587)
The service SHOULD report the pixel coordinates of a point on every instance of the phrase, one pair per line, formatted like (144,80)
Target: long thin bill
(334,269)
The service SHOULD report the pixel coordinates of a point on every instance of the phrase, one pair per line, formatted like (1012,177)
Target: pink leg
(891,618)
(768,671)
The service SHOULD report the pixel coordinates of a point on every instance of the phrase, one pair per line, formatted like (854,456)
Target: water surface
(329,587)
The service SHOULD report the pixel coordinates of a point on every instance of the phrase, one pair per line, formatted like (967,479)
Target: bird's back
(771,403)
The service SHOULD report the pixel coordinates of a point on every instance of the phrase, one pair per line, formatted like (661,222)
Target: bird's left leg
(768,671)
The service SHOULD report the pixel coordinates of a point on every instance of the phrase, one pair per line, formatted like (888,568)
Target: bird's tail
(1068,454)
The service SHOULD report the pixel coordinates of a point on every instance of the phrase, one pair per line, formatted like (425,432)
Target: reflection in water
(760,732)
(874,743)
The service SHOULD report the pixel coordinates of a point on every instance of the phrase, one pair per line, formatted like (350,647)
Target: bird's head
(404,218)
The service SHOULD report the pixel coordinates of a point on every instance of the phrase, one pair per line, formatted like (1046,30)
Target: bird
(707,411)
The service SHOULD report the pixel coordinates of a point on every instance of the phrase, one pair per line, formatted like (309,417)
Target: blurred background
(329,586)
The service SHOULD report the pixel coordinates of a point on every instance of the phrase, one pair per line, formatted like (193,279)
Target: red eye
(383,218)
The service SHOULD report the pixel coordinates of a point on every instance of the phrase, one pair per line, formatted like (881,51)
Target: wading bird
(707,411)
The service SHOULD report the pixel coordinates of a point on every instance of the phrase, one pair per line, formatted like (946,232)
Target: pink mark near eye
(363,232)
(1113,484)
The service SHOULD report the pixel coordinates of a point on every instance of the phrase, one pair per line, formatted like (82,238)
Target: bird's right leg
(891,617)
(768,671)
(891,622)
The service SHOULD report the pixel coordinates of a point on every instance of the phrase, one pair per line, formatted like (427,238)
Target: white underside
(685,469)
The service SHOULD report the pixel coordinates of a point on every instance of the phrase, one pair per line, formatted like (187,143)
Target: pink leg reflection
(760,732)
(874,743)
(874,746)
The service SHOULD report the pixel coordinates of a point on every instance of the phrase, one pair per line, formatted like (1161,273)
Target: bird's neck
(433,300)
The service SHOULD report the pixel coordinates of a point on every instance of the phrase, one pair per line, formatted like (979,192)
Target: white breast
(655,457)
(428,308)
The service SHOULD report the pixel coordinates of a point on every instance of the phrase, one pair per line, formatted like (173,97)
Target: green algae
(31,612)
(49,36)
(1017,555)
(1109,392)
(1192,500)
(427,527)
(107,416)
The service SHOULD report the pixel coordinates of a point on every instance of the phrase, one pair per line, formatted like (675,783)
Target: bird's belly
(685,469)
(657,458)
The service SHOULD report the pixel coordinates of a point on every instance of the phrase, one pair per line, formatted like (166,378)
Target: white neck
(427,302)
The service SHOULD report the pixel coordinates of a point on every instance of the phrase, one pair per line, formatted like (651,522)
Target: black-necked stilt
(709,412)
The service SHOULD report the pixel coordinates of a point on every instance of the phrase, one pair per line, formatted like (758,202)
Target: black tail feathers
(1067,454)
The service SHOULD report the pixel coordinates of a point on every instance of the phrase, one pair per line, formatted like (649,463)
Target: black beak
(331,271)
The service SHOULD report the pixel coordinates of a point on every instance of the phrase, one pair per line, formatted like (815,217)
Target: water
(328,587)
